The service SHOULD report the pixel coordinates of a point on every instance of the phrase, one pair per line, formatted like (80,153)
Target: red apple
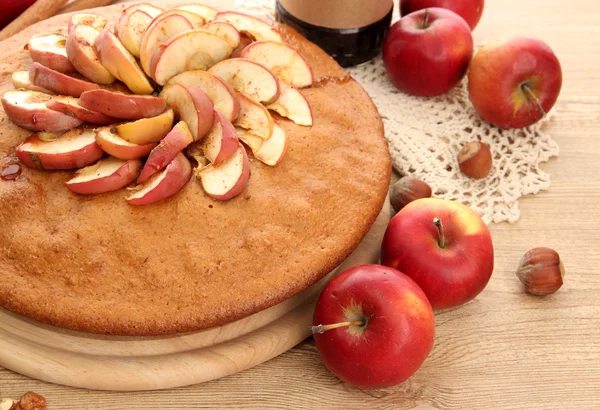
(428,52)
(514,82)
(469,10)
(444,247)
(373,326)
(11,9)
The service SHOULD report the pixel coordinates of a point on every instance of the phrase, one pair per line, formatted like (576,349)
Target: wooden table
(505,349)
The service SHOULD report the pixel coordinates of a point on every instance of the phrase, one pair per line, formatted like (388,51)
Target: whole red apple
(11,9)
(428,52)
(514,82)
(444,247)
(373,326)
(469,10)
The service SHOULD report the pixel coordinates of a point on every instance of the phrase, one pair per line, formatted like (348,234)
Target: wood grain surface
(505,349)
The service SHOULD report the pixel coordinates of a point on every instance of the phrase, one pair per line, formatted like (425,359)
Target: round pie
(98,264)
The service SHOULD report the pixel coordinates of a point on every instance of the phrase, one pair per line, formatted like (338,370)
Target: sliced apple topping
(28,110)
(173,143)
(248,77)
(147,130)
(192,105)
(20,79)
(109,140)
(120,63)
(273,150)
(83,56)
(206,12)
(123,106)
(75,149)
(254,142)
(57,82)
(196,20)
(164,184)
(293,105)
(191,50)
(254,117)
(224,30)
(221,142)
(107,175)
(249,25)
(50,51)
(87,19)
(70,106)
(283,60)
(228,179)
(160,30)
(130,29)
(221,94)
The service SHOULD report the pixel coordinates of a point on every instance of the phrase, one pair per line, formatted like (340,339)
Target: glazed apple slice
(147,130)
(193,106)
(74,149)
(224,30)
(20,79)
(249,25)
(120,63)
(130,28)
(283,60)
(87,19)
(271,151)
(107,175)
(221,142)
(111,143)
(254,117)
(227,180)
(70,106)
(163,184)
(28,110)
(221,94)
(160,30)
(58,83)
(293,105)
(123,106)
(248,77)
(196,20)
(83,56)
(175,142)
(206,12)
(50,51)
(191,50)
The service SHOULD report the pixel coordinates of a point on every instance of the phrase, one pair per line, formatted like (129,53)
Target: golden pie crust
(97,264)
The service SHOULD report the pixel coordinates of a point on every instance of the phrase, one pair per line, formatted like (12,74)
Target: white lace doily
(425,135)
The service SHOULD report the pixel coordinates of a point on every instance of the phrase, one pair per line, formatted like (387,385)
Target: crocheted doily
(425,135)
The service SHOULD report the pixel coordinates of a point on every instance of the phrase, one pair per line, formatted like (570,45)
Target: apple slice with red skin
(373,326)
(221,142)
(83,56)
(293,105)
(249,25)
(192,105)
(248,77)
(227,180)
(58,83)
(28,110)
(123,106)
(206,12)
(120,63)
(87,19)
(74,149)
(221,94)
(271,151)
(20,79)
(163,184)
(160,30)
(196,20)
(70,106)
(173,143)
(254,117)
(254,142)
(49,50)
(107,175)
(282,60)
(191,50)
(109,140)
(130,28)
(224,30)
(147,130)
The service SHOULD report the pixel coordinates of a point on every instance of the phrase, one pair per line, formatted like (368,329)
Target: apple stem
(426,19)
(441,238)
(324,328)
(531,95)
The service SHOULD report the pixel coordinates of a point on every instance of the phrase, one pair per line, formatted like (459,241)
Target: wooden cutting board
(148,363)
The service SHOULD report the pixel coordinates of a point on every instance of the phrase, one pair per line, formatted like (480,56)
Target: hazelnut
(475,160)
(541,271)
(407,190)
